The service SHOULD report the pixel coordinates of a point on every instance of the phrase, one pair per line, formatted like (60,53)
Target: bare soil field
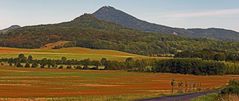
(53,83)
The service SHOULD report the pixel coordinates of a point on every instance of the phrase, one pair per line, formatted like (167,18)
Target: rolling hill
(89,32)
(111,14)
(215,33)
(70,53)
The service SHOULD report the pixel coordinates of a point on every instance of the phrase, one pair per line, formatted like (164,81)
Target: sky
(174,13)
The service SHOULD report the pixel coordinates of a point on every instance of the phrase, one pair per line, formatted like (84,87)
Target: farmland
(70,53)
(93,85)
(42,84)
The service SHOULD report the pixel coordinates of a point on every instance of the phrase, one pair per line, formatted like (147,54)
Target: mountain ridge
(111,14)
(9,28)
(90,32)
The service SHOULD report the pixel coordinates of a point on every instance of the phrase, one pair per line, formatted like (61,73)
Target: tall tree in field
(104,62)
(129,62)
(85,63)
(27,65)
(63,59)
(22,58)
(19,64)
(173,83)
(30,58)
(34,65)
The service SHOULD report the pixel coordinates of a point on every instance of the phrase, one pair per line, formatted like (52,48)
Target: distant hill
(214,33)
(89,32)
(111,14)
(9,28)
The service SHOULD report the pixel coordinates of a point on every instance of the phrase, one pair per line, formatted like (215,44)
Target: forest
(207,54)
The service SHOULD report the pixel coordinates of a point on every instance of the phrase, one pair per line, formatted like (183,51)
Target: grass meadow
(209,97)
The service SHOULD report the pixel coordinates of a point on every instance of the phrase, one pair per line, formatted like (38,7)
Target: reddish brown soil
(11,50)
(27,83)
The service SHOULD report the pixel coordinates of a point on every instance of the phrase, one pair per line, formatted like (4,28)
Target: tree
(21,58)
(44,62)
(78,67)
(69,67)
(19,64)
(10,64)
(96,64)
(30,58)
(27,65)
(34,65)
(60,67)
(85,63)
(173,83)
(63,59)
(129,62)
(85,67)
(104,62)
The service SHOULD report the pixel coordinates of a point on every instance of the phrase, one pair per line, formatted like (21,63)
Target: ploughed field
(70,53)
(63,84)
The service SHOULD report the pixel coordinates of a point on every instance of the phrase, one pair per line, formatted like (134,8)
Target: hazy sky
(175,13)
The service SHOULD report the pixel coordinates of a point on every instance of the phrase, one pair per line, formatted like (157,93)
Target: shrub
(231,88)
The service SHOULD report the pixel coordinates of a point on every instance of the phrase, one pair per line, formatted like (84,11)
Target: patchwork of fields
(18,84)
(101,85)
(70,53)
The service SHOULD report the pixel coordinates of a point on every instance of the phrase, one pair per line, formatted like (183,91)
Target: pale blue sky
(175,13)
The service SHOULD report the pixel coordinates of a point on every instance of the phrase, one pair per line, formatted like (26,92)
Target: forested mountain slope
(87,31)
(111,14)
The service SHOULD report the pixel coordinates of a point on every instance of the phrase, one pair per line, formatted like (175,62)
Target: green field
(209,97)
(70,53)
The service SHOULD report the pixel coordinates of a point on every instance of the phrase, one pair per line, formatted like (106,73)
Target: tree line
(177,65)
(207,54)
(195,66)
(28,61)
(190,66)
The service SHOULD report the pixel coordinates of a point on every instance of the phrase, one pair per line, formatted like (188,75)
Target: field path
(183,97)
